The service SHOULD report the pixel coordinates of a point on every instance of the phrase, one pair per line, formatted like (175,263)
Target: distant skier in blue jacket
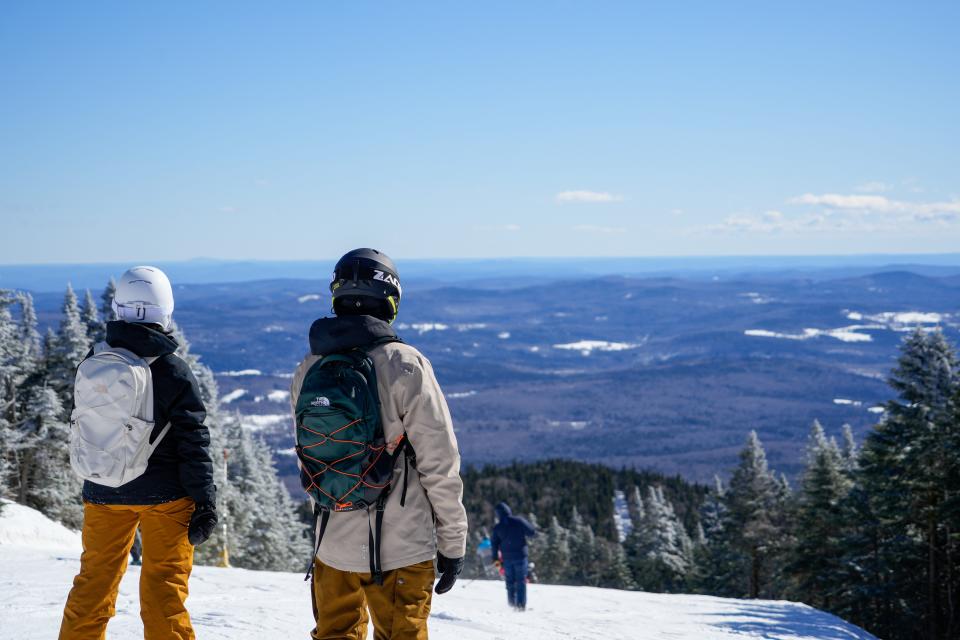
(508,544)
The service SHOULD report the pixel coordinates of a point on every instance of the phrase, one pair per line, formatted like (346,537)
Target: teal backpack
(344,462)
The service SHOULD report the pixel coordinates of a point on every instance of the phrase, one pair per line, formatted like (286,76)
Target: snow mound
(22,526)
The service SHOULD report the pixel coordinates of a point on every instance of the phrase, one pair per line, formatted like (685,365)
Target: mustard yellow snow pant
(108,532)
(399,607)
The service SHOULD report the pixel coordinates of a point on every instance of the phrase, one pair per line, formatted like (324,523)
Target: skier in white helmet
(166,490)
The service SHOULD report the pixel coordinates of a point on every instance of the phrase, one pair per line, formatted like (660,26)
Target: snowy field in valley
(39,559)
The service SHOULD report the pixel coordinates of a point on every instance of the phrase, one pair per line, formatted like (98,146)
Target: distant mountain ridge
(502,272)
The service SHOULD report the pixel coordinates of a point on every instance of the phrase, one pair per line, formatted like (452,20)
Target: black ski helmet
(366,281)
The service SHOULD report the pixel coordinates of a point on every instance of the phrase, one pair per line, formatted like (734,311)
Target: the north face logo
(320,401)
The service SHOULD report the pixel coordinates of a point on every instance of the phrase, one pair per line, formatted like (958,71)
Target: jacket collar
(331,335)
(144,340)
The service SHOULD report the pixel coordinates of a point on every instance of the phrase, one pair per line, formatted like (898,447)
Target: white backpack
(112,419)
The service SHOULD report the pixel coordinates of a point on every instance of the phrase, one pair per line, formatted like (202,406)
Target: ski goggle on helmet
(144,295)
(367,273)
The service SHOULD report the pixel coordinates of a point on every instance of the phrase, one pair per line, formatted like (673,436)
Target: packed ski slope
(38,559)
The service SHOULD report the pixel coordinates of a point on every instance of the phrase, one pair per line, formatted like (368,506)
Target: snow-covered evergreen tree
(849,452)
(30,341)
(613,569)
(717,567)
(583,552)
(91,318)
(65,352)
(815,565)
(659,550)
(754,501)
(535,544)
(553,566)
(264,532)
(47,481)
(106,301)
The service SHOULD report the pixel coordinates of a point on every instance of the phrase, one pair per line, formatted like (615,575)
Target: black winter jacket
(510,535)
(180,466)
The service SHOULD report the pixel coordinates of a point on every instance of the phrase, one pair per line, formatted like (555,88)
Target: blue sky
(167,131)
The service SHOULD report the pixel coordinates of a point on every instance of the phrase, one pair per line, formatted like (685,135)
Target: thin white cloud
(874,186)
(844,213)
(839,201)
(587,196)
(881,204)
(594,228)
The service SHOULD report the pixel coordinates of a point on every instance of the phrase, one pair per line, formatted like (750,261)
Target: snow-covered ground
(39,559)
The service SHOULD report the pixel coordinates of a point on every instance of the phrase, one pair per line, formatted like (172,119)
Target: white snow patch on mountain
(756,298)
(844,334)
(900,320)
(226,604)
(310,297)
(259,422)
(241,373)
(278,396)
(846,402)
(236,394)
(423,327)
(576,425)
(586,347)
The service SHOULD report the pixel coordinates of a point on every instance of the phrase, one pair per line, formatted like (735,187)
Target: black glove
(449,569)
(202,522)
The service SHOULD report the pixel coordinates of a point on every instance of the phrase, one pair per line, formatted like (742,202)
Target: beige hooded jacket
(433,517)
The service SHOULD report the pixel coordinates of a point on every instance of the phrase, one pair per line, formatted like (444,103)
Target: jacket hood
(145,340)
(331,335)
(503,511)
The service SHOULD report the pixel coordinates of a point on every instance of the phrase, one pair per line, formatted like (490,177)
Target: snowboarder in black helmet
(376,539)
(365,282)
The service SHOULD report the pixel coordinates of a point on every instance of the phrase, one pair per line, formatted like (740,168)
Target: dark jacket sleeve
(528,529)
(186,413)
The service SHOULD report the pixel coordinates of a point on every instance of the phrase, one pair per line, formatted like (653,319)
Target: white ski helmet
(144,295)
